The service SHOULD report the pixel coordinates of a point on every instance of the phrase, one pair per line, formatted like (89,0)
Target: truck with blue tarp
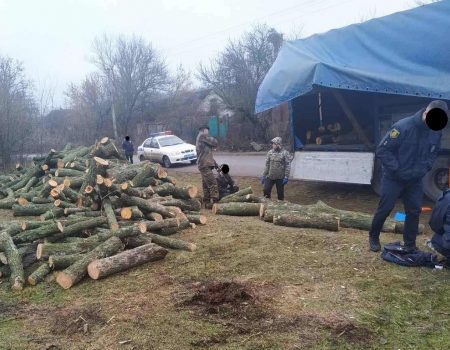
(346,87)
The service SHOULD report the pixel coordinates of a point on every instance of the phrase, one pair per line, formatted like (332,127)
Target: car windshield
(170,141)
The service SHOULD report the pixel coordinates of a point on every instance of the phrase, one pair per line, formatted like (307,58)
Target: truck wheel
(376,177)
(194,161)
(141,158)
(436,180)
(166,162)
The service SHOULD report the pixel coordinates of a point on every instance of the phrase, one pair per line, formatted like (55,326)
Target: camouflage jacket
(278,164)
(224,181)
(204,145)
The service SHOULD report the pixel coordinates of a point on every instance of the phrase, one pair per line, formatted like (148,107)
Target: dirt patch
(245,310)
(82,320)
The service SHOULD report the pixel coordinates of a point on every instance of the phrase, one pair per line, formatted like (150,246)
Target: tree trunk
(154,216)
(184,204)
(75,272)
(167,189)
(39,274)
(145,206)
(14,261)
(125,260)
(60,262)
(69,172)
(38,233)
(131,213)
(112,221)
(148,171)
(197,219)
(320,221)
(237,209)
(52,214)
(31,209)
(150,226)
(80,226)
(230,198)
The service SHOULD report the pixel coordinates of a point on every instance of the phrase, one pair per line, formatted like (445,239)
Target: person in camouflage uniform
(206,163)
(276,171)
(225,182)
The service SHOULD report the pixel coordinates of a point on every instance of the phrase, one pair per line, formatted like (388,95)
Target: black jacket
(409,149)
(440,223)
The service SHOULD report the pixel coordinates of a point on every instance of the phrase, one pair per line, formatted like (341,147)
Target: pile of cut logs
(98,215)
(283,213)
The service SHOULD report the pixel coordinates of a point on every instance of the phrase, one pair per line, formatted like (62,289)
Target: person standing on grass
(407,152)
(128,148)
(277,169)
(206,163)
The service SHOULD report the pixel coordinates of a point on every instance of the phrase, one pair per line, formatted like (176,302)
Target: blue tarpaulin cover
(406,53)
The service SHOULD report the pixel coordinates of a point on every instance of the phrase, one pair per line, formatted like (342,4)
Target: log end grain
(192,191)
(67,182)
(126,213)
(65,280)
(22,201)
(93,270)
(101,162)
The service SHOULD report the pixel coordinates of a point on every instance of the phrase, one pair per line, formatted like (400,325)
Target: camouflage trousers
(210,188)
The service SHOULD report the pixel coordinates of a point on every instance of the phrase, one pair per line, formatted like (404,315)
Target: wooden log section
(68,172)
(170,179)
(39,200)
(83,225)
(22,201)
(69,211)
(197,219)
(130,213)
(150,226)
(38,233)
(148,171)
(171,243)
(112,221)
(14,261)
(61,262)
(154,216)
(237,209)
(319,221)
(230,198)
(75,272)
(31,209)
(183,204)
(39,274)
(145,206)
(53,213)
(167,189)
(129,190)
(63,204)
(125,260)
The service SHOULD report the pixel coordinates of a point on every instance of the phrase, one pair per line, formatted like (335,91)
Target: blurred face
(435,118)
(205,132)
(275,146)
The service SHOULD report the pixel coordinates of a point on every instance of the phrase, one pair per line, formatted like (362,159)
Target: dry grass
(250,285)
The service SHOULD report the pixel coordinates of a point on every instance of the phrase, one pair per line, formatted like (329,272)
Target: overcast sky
(53,38)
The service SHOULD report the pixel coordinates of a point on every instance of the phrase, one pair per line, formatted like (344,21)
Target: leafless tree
(17,109)
(239,69)
(134,72)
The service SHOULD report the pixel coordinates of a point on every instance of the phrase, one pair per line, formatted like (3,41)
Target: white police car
(167,149)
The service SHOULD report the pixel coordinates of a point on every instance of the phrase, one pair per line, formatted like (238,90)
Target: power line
(244,23)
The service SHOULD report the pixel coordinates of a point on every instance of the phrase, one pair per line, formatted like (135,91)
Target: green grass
(311,290)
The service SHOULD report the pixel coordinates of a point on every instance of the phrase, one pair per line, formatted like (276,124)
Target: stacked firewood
(98,215)
(283,213)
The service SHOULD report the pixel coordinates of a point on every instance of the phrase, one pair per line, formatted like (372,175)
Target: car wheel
(436,180)
(166,162)
(194,161)
(141,158)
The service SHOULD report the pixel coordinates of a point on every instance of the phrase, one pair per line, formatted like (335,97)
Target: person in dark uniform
(407,152)
(128,148)
(225,182)
(206,163)
(440,224)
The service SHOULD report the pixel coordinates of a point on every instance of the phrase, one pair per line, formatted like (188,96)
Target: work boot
(409,248)
(374,244)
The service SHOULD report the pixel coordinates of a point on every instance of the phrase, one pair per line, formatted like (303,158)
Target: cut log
(60,262)
(230,198)
(320,221)
(69,172)
(197,219)
(63,204)
(131,213)
(129,190)
(112,221)
(148,171)
(22,201)
(149,226)
(14,261)
(39,274)
(145,206)
(38,233)
(125,260)
(69,211)
(170,179)
(39,200)
(171,243)
(154,216)
(31,209)
(183,204)
(52,214)
(83,225)
(237,209)
(75,272)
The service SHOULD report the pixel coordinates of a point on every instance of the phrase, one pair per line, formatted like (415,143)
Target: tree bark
(197,219)
(112,221)
(31,209)
(145,206)
(39,274)
(125,260)
(75,272)
(131,213)
(52,214)
(69,172)
(60,262)
(38,233)
(320,221)
(14,261)
(150,226)
(230,198)
(237,209)
(183,204)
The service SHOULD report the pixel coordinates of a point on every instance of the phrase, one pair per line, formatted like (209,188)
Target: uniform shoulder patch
(394,133)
